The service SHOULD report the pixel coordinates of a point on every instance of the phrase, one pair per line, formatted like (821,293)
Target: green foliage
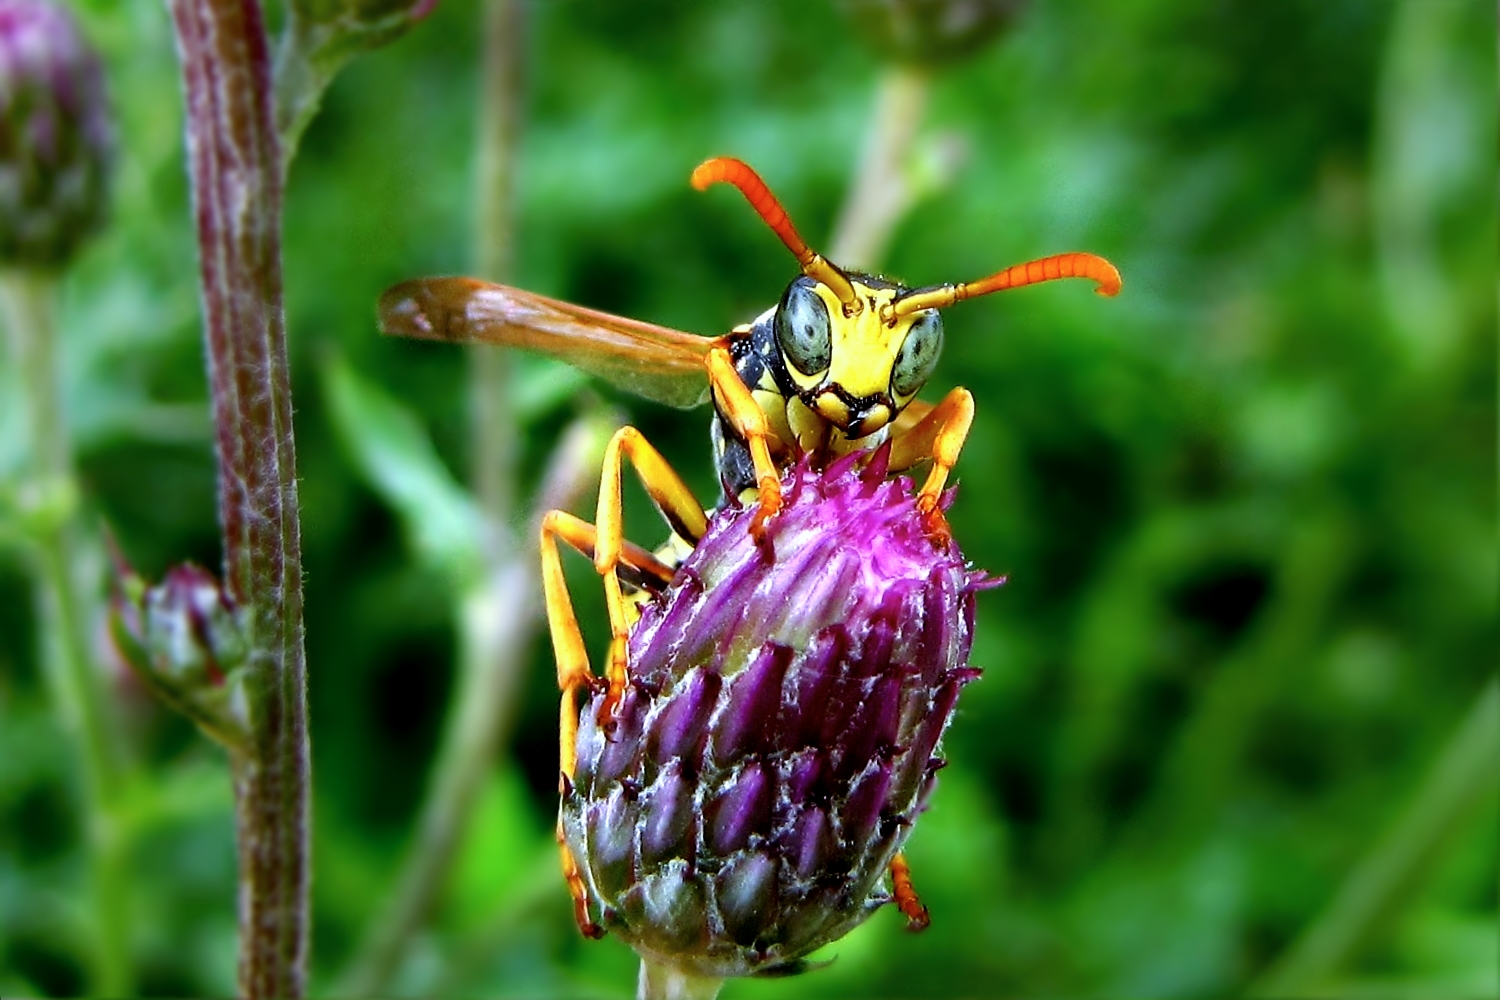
(1247,508)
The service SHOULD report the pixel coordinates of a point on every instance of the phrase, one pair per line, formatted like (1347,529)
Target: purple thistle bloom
(56,137)
(778,734)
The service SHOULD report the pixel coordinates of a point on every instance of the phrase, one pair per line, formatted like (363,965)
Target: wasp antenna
(1063,265)
(728,170)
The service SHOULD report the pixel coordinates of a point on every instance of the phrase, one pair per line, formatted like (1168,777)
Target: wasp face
(859,370)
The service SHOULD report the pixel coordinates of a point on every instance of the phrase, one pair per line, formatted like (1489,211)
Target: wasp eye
(918,355)
(802,328)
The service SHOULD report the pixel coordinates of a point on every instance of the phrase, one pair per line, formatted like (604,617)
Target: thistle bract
(55,136)
(780,729)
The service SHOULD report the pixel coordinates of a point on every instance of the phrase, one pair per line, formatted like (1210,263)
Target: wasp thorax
(780,729)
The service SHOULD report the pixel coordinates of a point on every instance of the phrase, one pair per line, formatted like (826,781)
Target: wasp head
(857,347)
(856,367)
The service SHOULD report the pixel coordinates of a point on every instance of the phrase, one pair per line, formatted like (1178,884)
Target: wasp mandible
(833,368)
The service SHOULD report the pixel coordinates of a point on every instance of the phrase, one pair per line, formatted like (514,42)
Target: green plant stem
(317,40)
(662,982)
(493,430)
(497,614)
(499,611)
(494,615)
(66,619)
(300,84)
(1463,777)
(881,192)
(234,162)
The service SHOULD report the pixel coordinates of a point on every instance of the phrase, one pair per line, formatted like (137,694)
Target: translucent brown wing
(656,362)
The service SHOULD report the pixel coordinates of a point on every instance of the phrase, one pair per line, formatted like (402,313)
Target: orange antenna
(1063,265)
(728,170)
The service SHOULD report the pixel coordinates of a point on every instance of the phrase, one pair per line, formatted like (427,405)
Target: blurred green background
(1247,508)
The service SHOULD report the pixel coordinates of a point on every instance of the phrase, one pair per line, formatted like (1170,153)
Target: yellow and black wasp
(834,367)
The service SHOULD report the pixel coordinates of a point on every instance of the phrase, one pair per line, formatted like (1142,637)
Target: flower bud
(55,136)
(927,32)
(779,731)
(186,643)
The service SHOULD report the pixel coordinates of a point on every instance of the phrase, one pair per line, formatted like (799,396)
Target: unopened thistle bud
(186,643)
(780,730)
(928,32)
(55,136)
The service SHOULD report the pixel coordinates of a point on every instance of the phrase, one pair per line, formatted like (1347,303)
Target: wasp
(833,368)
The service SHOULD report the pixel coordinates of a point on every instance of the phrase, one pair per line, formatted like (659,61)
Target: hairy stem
(235,167)
(67,618)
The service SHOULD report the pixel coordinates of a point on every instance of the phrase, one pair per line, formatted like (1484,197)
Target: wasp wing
(656,362)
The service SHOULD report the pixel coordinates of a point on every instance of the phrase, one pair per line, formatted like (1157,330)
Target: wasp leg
(572,658)
(683,513)
(562,622)
(573,672)
(939,435)
(577,890)
(744,414)
(917,917)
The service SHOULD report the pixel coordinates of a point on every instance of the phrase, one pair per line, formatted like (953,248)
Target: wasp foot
(917,917)
(934,521)
(769,506)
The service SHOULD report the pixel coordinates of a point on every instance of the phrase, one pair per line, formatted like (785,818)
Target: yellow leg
(562,622)
(917,917)
(748,421)
(577,890)
(940,435)
(573,671)
(683,513)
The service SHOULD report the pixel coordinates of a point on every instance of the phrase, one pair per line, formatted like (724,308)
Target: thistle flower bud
(931,31)
(780,729)
(185,642)
(55,136)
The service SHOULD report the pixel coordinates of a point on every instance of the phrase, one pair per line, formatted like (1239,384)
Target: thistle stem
(66,618)
(235,166)
(663,982)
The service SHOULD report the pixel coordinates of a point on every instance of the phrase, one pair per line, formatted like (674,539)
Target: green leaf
(395,457)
